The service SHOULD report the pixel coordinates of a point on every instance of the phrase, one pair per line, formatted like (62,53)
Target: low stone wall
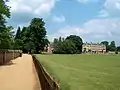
(47,82)
(7,55)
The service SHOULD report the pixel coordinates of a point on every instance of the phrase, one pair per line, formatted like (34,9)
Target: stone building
(48,49)
(94,48)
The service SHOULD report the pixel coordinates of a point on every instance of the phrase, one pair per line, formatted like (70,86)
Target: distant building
(94,48)
(48,49)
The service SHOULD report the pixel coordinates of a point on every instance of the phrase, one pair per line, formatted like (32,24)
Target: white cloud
(58,18)
(112,4)
(87,1)
(103,13)
(34,6)
(83,1)
(111,8)
(93,30)
(22,11)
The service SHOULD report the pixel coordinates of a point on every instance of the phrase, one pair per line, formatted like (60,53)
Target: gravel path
(19,74)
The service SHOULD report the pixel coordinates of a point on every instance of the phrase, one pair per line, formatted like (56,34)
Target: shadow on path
(9,63)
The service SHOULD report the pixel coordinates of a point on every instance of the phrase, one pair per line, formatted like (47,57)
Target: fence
(47,82)
(7,55)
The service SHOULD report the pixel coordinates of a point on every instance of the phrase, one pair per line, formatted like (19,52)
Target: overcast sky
(93,20)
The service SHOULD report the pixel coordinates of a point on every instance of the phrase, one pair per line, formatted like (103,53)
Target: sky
(92,20)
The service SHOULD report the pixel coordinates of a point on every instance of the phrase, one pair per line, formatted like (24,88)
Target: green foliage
(32,38)
(112,46)
(6,38)
(65,47)
(77,41)
(18,34)
(37,34)
(118,48)
(71,45)
(106,43)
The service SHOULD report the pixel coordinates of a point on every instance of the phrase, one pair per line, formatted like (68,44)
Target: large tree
(77,41)
(118,48)
(18,34)
(65,47)
(5,31)
(106,43)
(112,46)
(4,12)
(37,34)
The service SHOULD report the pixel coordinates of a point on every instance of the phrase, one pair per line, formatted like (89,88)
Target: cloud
(58,19)
(34,6)
(110,8)
(83,1)
(87,1)
(103,13)
(94,30)
(22,11)
(112,4)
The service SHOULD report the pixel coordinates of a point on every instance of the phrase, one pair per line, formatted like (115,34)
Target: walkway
(19,74)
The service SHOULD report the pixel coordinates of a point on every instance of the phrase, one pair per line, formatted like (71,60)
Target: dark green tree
(5,31)
(26,41)
(55,41)
(37,34)
(65,47)
(18,34)
(118,48)
(18,40)
(112,46)
(77,41)
(106,43)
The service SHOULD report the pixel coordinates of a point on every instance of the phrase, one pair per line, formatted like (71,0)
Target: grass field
(84,72)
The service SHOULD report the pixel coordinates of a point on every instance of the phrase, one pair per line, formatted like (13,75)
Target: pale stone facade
(93,47)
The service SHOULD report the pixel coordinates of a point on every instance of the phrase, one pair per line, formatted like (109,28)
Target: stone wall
(47,82)
(7,55)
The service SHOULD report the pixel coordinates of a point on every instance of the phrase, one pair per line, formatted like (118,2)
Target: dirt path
(20,74)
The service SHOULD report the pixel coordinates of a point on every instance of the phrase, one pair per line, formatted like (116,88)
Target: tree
(17,40)
(77,41)
(118,48)
(37,34)
(106,43)
(18,34)
(65,47)
(55,41)
(4,12)
(5,31)
(112,46)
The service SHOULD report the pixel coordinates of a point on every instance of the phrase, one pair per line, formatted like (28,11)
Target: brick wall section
(47,82)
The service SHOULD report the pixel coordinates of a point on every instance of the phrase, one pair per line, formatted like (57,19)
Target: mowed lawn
(84,72)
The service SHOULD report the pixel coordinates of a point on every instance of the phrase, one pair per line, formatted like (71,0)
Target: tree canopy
(112,46)
(109,47)
(6,37)
(106,43)
(32,38)
(77,41)
(118,48)
(71,45)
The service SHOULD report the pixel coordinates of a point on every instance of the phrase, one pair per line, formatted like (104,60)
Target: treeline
(70,45)
(33,38)
(111,46)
